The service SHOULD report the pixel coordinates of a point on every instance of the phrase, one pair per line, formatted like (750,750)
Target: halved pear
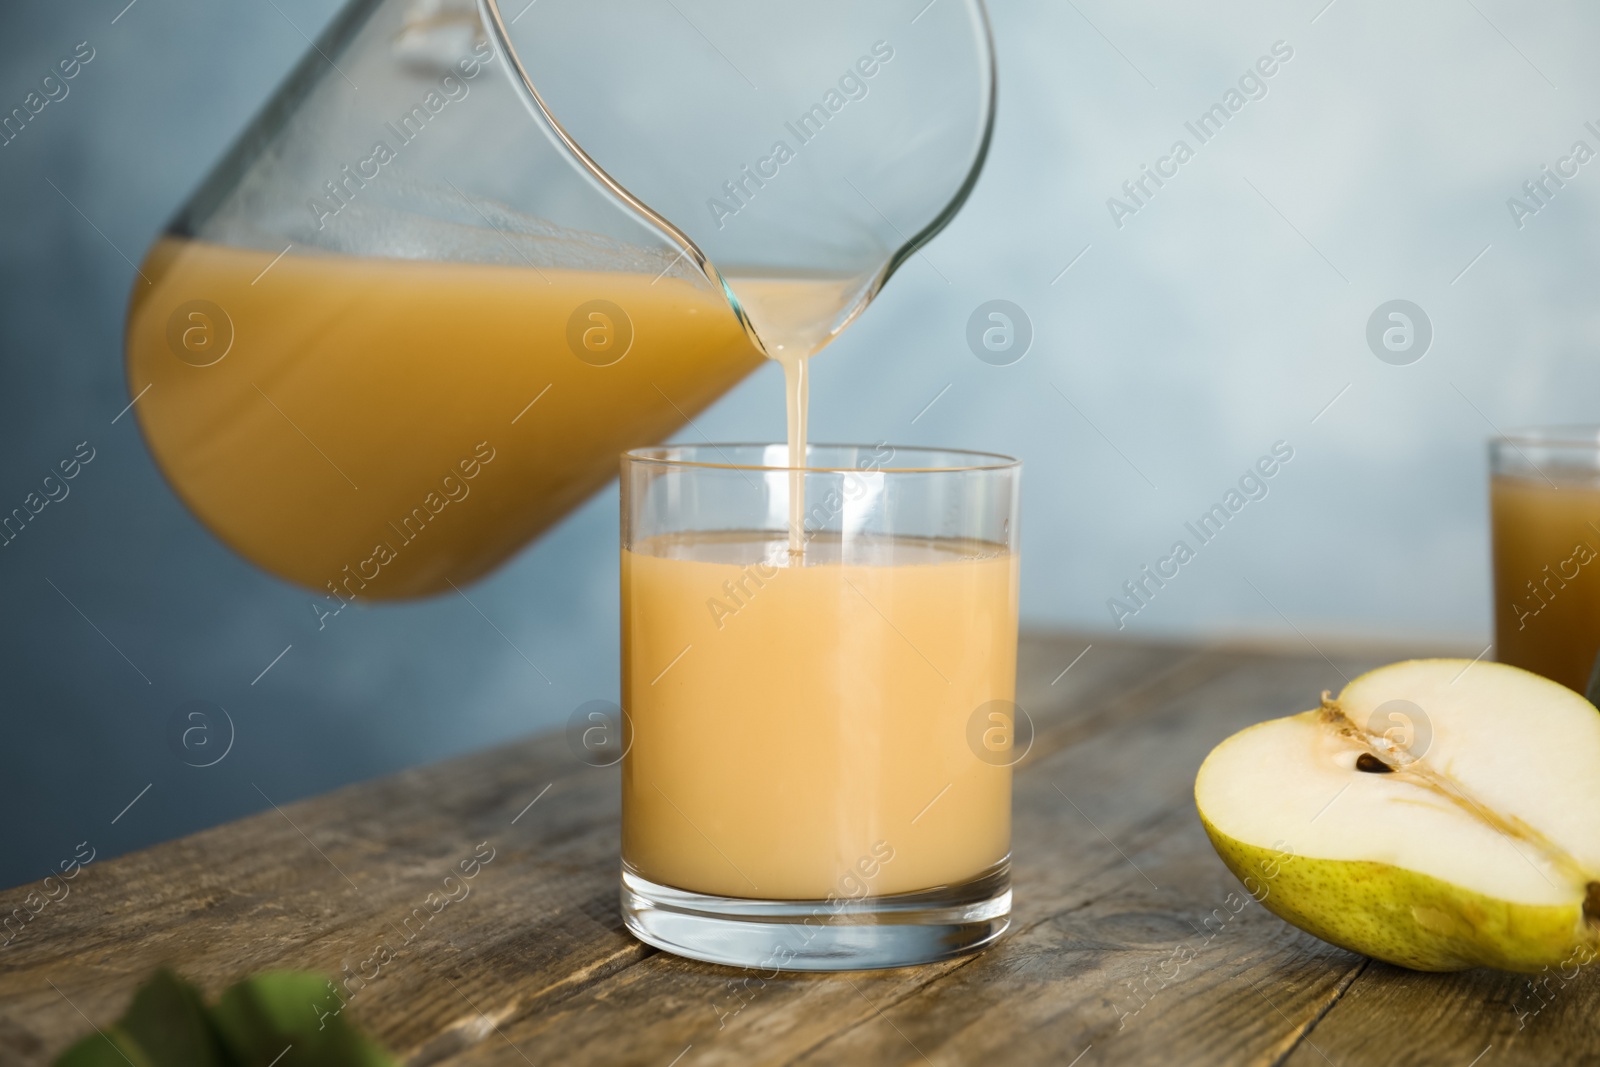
(1439,814)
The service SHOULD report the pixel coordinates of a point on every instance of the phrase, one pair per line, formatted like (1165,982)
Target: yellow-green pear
(1439,814)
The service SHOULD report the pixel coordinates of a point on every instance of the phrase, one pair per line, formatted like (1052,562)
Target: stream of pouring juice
(795,316)
(384,427)
(1547,575)
(812,742)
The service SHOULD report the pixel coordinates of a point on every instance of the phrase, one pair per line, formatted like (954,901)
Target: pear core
(1438,814)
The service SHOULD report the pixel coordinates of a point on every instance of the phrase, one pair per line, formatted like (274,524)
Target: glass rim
(666,456)
(1566,435)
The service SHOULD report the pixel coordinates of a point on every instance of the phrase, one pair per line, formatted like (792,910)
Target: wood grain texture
(1131,943)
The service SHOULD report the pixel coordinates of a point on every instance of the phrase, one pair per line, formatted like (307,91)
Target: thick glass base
(821,935)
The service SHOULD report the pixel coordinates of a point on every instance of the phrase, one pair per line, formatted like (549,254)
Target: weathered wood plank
(323,884)
(1132,943)
(1399,1017)
(326,891)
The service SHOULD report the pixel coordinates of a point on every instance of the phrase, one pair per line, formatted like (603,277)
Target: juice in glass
(790,721)
(1545,515)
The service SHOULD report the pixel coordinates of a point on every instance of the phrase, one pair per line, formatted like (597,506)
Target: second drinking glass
(1544,494)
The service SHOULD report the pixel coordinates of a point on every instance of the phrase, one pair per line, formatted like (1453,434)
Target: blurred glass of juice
(1544,499)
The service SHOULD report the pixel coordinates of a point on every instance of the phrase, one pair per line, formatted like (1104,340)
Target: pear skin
(1407,918)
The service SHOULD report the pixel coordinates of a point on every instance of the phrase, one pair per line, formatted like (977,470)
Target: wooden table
(1112,875)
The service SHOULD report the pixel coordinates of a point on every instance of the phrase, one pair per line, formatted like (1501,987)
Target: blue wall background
(1224,315)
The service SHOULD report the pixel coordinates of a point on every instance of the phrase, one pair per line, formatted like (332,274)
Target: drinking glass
(1544,493)
(819,775)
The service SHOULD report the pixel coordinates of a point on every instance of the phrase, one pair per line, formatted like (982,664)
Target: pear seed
(1591,903)
(1373,765)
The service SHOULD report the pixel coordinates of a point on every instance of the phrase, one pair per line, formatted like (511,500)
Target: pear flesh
(1438,814)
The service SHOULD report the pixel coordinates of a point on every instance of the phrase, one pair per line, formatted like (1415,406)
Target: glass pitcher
(469,253)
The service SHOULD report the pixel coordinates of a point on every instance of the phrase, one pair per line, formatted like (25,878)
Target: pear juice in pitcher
(336,418)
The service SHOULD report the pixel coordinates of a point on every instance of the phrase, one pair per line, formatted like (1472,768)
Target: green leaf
(168,1021)
(165,1026)
(110,1047)
(274,1019)
(296,1016)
